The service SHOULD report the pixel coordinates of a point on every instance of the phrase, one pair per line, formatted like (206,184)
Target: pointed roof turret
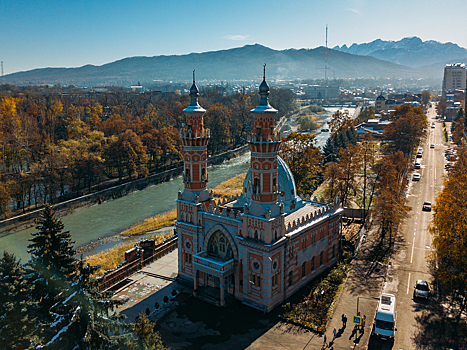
(194,94)
(264,106)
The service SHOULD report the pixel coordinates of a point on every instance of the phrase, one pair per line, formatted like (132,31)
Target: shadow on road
(439,330)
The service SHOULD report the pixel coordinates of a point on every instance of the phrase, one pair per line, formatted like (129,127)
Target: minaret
(195,140)
(264,145)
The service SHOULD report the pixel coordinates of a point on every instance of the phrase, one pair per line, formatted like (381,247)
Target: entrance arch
(218,242)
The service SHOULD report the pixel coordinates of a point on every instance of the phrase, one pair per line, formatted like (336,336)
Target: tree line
(58,144)
(372,175)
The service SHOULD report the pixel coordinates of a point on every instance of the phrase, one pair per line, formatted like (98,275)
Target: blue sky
(46,33)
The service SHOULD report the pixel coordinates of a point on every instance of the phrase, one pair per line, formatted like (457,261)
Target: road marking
(408,284)
(413,245)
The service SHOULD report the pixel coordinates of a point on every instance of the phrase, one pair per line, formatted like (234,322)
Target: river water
(112,217)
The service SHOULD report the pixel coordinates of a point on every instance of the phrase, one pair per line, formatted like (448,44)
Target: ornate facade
(262,246)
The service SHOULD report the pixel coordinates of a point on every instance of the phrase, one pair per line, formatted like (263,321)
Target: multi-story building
(262,246)
(454,77)
(318,92)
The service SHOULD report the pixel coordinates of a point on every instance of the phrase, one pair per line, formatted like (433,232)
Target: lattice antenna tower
(326,68)
(326,57)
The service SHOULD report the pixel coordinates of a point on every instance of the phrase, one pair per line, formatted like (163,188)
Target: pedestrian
(344,319)
(363,323)
(324,339)
(334,331)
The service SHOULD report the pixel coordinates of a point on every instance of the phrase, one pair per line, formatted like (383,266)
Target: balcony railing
(188,133)
(259,138)
(213,263)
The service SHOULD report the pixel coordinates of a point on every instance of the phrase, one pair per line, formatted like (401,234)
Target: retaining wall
(26,220)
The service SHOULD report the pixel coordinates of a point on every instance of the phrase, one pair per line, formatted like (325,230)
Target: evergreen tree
(342,140)
(84,318)
(329,150)
(16,320)
(351,135)
(51,263)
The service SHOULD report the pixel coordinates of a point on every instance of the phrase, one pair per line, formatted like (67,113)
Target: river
(112,217)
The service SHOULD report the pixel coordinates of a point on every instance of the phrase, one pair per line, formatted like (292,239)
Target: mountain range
(378,59)
(411,52)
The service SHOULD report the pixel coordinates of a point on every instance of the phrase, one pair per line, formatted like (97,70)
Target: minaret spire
(195,140)
(264,144)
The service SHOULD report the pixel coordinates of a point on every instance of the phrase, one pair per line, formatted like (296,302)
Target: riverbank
(110,251)
(23,221)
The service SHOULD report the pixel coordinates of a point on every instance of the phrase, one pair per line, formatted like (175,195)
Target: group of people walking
(357,327)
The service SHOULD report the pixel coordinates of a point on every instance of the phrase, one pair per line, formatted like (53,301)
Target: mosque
(262,246)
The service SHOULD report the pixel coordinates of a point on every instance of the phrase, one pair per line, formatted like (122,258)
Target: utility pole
(3,78)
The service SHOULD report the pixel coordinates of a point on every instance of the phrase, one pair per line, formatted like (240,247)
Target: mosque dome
(286,181)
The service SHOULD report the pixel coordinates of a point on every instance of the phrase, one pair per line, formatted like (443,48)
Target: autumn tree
(408,126)
(449,230)
(127,153)
(390,209)
(339,122)
(216,119)
(426,97)
(341,176)
(441,107)
(304,159)
(148,338)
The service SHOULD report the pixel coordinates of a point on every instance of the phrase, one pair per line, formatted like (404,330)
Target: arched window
(187,175)
(219,246)
(256,234)
(290,278)
(203,174)
(256,188)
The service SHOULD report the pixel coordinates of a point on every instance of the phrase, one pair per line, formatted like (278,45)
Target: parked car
(421,290)
(432,146)
(419,155)
(426,206)
(416,177)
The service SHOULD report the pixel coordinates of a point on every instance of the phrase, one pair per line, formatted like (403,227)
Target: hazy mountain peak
(409,51)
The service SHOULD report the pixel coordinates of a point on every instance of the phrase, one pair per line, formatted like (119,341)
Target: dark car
(421,290)
(426,206)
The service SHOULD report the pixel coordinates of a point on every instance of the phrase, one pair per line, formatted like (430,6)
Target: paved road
(410,261)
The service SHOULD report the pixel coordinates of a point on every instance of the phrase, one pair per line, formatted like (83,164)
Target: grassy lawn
(111,258)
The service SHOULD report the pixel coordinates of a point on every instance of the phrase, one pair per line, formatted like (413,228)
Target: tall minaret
(264,145)
(195,140)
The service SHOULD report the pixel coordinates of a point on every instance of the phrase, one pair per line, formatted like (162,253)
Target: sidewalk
(364,282)
(150,285)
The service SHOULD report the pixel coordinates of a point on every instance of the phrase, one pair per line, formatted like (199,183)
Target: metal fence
(121,273)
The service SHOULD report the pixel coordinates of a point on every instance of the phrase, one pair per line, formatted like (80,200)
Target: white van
(385,320)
